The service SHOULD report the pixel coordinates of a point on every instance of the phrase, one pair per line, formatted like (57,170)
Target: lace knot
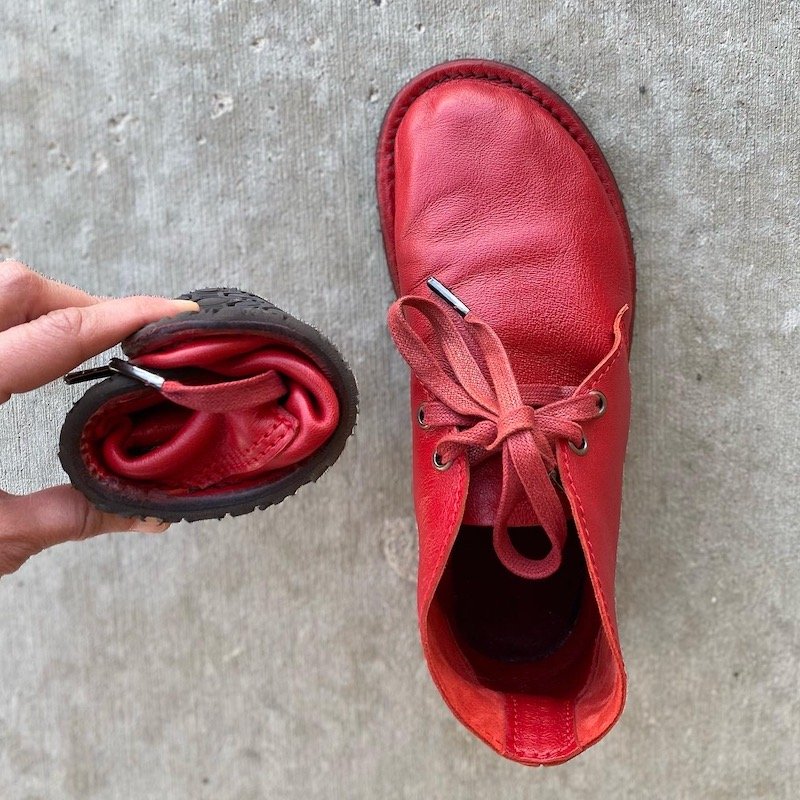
(513,420)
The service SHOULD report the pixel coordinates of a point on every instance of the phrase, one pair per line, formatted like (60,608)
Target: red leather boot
(217,412)
(490,185)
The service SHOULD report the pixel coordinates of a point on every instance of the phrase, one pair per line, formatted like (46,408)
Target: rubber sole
(221,310)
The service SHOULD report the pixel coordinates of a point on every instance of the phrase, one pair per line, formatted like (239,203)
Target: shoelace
(465,366)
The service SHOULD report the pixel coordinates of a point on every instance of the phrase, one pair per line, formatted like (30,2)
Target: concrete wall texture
(150,146)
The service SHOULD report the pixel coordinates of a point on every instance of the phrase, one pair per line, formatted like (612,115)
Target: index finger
(49,346)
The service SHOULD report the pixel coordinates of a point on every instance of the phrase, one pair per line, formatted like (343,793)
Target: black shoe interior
(505,618)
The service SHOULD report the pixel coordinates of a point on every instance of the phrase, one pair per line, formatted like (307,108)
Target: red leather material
(489,182)
(233,408)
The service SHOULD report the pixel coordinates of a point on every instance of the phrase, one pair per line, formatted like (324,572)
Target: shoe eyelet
(421,418)
(602,402)
(582,449)
(438,463)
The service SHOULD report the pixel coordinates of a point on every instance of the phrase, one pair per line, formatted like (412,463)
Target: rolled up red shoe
(217,412)
(509,249)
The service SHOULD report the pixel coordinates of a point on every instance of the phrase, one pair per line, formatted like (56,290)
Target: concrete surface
(148,146)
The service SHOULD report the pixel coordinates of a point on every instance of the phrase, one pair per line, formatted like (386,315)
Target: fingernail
(185,305)
(149,525)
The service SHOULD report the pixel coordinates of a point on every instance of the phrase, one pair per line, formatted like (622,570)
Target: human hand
(46,329)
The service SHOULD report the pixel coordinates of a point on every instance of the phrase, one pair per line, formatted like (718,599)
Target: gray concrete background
(148,146)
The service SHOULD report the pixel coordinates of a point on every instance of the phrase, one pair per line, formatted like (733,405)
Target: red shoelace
(483,411)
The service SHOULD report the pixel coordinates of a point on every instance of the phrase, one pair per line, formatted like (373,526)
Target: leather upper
(243,407)
(490,183)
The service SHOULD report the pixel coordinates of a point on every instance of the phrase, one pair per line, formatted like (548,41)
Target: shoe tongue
(483,498)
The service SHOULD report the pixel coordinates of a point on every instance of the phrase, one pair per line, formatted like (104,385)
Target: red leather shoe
(490,184)
(217,412)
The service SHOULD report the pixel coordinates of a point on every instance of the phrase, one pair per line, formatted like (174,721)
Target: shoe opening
(526,664)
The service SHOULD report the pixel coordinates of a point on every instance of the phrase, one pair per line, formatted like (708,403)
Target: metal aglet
(83,375)
(437,287)
(116,367)
(137,373)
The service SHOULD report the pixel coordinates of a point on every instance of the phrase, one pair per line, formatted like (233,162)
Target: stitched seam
(573,706)
(564,745)
(497,743)
(582,515)
(451,516)
(513,726)
(459,655)
(604,612)
(267,438)
(84,448)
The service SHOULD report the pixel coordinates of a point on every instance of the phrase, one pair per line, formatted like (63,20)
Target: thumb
(31,523)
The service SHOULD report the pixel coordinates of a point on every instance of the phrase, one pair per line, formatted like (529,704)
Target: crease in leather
(242,407)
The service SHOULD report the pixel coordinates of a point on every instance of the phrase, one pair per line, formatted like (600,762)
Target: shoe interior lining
(520,635)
